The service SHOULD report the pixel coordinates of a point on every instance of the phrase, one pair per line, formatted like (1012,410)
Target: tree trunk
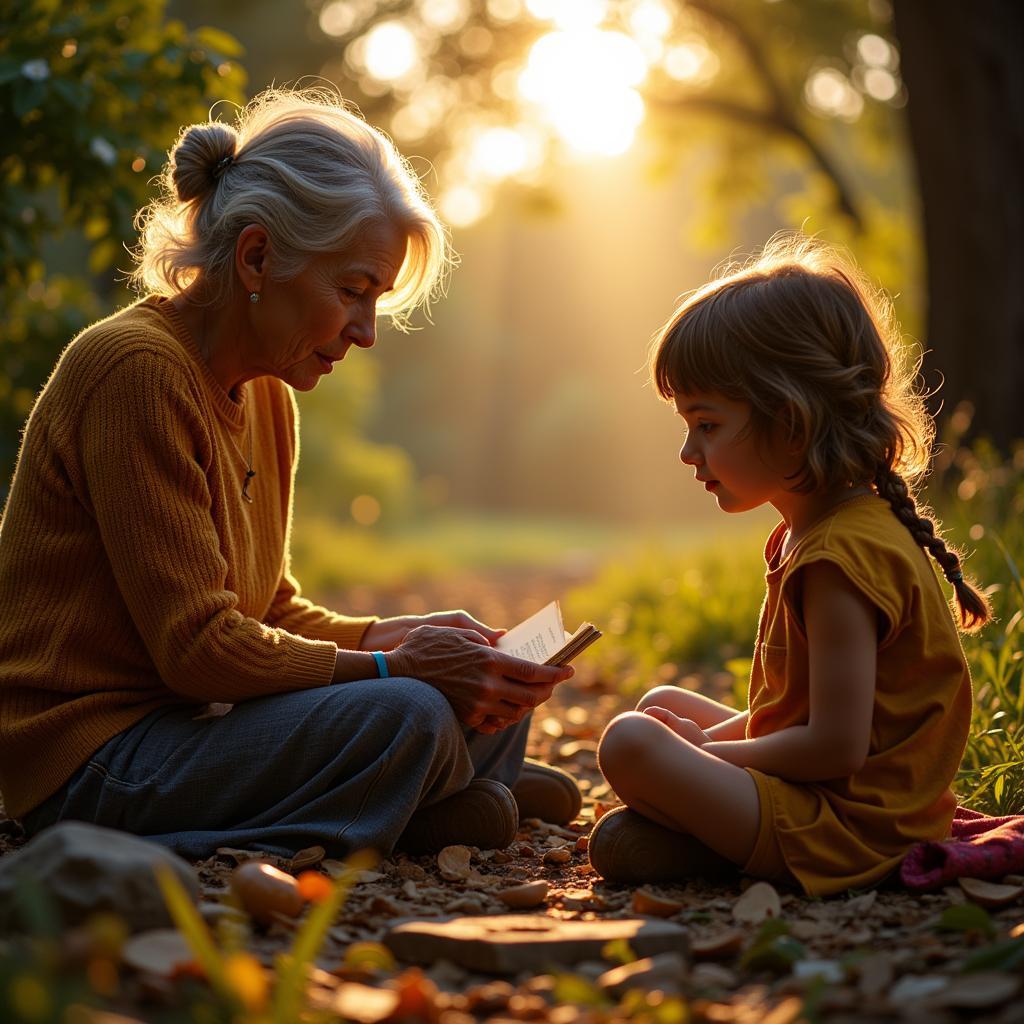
(964,72)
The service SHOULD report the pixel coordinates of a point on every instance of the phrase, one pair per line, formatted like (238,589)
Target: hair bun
(196,157)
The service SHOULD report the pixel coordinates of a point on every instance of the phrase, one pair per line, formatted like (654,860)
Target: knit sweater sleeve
(144,445)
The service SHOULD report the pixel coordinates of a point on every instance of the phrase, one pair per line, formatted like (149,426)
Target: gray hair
(314,174)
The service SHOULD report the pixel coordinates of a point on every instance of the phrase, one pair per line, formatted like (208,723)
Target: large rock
(81,869)
(508,943)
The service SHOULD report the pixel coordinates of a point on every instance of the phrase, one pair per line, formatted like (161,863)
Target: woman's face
(303,326)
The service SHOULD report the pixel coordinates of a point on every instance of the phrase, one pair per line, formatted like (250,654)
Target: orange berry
(314,887)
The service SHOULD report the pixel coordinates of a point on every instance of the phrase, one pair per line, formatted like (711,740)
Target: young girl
(794,389)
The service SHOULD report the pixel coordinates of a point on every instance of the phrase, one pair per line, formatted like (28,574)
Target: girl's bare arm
(842,639)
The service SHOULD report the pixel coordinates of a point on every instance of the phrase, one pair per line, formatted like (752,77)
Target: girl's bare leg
(687,704)
(665,778)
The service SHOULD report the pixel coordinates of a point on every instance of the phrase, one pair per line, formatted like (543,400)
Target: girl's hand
(387,634)
(684,727)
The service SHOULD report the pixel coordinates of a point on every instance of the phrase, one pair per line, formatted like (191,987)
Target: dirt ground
(877,956)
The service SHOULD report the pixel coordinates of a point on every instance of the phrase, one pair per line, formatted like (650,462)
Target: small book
(543,639)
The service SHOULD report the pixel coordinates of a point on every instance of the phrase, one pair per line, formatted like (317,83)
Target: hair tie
(221,166)
(954,577)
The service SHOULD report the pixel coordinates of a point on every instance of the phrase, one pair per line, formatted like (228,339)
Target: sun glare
(584,83)
(569,14)
(499,153)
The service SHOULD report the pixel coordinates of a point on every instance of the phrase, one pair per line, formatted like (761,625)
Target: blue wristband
(382,664)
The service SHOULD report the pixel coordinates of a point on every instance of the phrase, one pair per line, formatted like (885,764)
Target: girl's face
(742,471)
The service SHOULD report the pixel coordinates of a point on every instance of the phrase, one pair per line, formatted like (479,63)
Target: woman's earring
(254,297)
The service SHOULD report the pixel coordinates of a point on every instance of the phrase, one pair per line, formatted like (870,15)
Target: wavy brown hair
(801,335)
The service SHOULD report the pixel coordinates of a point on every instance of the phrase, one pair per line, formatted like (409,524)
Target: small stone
(829,971)
(876,973)
(560,855)
(364,1004)
(757,903)
(506,944)
(521,897)
(453,862)
(713,976)
(662,973)
(85,869)
(162,951)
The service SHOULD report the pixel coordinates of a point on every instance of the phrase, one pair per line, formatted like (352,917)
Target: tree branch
(780,115)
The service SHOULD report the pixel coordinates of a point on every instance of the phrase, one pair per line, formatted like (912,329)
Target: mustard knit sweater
(132,573)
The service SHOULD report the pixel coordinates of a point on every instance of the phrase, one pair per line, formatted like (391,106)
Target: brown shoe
(548,793)
(628,848)
(484,814)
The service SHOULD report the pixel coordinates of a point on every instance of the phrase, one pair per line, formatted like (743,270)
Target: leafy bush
(671,612)
(90,97)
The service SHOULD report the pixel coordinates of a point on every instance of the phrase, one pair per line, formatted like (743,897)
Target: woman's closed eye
(352,293)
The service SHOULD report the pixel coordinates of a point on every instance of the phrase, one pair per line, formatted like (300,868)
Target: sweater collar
(232,411)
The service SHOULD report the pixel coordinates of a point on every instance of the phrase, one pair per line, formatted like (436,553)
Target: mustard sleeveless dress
(852,832)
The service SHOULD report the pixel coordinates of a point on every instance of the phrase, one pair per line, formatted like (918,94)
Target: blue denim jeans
(343,767)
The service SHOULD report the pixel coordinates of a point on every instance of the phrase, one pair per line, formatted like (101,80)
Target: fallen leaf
(307,858)
(990,894)
(718,945)
(979,991)
(647,902)
(453,862)
(912,987)
(519,897)
(364,1004)
(758,902)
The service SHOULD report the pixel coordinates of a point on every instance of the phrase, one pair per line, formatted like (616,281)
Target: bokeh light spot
(365,509)
(390,51)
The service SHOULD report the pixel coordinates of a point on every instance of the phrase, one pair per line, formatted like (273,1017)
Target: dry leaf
(307,858)
(990,894)
(758,902)
(979,991)
(162,951)
(583,844)
(453,862)
(647,902)
(718,945)
(364,1004)
(519,897)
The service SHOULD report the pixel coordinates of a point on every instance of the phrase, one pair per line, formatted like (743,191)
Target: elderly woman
(144,566)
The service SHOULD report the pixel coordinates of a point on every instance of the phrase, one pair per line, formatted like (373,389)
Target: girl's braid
(973,607)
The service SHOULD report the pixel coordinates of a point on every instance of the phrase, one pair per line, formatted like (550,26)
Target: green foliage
(91,95)
(689,609)
(966,917)
(773,948)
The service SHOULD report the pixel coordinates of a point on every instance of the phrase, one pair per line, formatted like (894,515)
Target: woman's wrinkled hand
(387,634)
(488,689)
(684,727)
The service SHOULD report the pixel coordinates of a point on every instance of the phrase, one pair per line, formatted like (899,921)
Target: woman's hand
(684,727)
(387,634)
(487,688)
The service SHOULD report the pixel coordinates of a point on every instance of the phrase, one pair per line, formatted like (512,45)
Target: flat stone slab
(508,943)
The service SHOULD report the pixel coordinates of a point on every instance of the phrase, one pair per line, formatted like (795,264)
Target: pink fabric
(979,847)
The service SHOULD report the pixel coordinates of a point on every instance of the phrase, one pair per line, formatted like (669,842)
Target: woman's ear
(252,256)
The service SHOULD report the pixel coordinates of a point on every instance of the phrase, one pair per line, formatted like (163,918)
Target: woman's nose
(362,331)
